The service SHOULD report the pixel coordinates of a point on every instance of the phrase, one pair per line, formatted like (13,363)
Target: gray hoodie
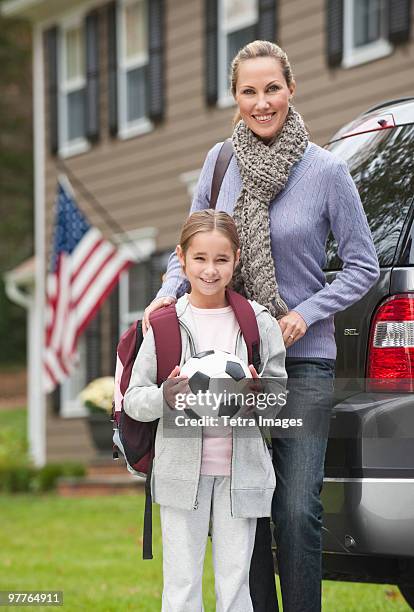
(177,461)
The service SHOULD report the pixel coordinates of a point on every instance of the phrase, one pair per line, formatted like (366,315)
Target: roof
(23,273)
(13,8)
(34,10)
(20,283)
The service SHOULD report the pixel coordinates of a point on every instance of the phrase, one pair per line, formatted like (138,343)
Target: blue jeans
(297,510)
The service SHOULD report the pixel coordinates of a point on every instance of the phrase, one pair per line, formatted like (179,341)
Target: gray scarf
(264,171)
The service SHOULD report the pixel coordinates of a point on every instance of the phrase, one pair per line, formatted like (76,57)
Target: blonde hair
(207,221)
(259,48)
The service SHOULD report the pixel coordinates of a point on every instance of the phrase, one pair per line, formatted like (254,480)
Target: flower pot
(100,427)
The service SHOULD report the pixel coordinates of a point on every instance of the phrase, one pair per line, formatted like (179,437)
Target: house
(128,98)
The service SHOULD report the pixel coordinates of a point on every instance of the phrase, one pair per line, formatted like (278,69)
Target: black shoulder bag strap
(222,163)
(164,323)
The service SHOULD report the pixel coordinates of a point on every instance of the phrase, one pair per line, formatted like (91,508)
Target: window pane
(136,29)
(159,264)
(136,93)
(240,9)
(75,53)
(76,114)
(367,21)
(382,166)
(237,40)
(139,287)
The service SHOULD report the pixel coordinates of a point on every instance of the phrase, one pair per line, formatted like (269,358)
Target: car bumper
(368,493)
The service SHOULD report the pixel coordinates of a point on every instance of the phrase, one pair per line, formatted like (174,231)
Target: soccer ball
(219,380)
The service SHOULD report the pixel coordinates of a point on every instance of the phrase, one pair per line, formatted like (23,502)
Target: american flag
(85,267)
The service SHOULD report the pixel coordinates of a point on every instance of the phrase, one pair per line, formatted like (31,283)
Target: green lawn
(91,549)
(13,443)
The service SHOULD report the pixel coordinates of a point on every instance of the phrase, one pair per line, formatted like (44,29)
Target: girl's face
(208,264)
(262,95)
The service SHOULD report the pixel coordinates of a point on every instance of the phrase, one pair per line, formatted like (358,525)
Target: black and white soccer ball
(225,376)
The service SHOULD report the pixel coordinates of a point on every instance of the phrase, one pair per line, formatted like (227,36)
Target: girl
(201,476)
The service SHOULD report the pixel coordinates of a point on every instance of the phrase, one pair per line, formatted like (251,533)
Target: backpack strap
(222,163)
(246,319)
(167,337)
(164,323)
(147,527)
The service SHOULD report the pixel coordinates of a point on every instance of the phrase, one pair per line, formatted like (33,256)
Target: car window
(382,166)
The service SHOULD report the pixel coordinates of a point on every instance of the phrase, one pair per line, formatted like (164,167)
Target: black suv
(368,493)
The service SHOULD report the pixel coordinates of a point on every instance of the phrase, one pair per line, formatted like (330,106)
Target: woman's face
(262,95)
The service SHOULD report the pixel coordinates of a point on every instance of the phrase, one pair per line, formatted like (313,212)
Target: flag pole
(36,413)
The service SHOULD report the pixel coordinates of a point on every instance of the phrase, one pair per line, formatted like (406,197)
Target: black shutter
(93,348)
(114,318)
(157,267)
(266,26)
(156,82)
(399,20)
(92,76)
(112,69)
(334,32)
(52,39)
(211,59)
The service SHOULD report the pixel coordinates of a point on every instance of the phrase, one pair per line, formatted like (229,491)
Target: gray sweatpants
(184,536)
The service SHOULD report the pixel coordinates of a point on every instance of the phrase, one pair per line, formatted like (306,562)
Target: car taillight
(390,364)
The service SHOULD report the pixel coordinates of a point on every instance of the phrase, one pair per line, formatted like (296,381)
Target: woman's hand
(293,328)
(174,385)
(155,304)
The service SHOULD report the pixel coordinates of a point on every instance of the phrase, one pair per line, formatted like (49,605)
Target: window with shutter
(399,21)
(52,37)
(266,27)
(132,49)
(92,76)
(156,81)
(237,26)
(72,88)
(365,31)
(69,403)
(135,283)
(115,330)
(138,287)
(112,68)
(93,348)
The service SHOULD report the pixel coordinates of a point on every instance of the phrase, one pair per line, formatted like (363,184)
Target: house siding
(138,180)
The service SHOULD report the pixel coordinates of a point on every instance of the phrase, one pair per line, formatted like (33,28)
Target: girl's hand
(155,304)
(293,328)
(174,385)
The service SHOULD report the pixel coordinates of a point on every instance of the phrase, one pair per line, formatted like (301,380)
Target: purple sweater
(320,195)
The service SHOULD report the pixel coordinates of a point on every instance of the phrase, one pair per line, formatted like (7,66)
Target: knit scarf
(264,170)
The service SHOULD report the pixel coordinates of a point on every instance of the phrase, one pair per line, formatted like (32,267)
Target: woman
(285,194)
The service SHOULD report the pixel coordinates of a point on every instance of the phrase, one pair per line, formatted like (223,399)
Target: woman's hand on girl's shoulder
(155,304)
(293,328)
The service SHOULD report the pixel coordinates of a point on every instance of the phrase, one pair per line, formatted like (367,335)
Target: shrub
(25,478)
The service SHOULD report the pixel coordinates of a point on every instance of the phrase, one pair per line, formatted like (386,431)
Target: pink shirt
(216,328)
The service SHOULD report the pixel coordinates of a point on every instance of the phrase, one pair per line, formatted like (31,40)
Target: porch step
(114,484)
(107,467)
